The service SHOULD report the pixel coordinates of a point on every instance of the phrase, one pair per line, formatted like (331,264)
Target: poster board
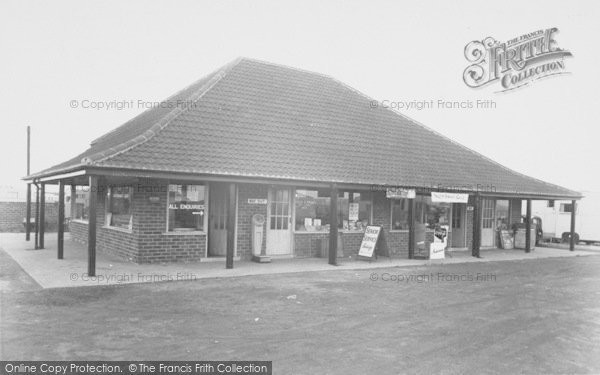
(506,240)
(437,249)
(353,212)
(373,243)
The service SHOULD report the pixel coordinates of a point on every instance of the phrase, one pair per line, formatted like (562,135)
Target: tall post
(572,236)
(42,214)
(231,203)
(528,227)
(333,226)
(37,217)
(28,205)
(411,229)
(93,199)
(73,201)
(28,214)
(476,226)
(61,218)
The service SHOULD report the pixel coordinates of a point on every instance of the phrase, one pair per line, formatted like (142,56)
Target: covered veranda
(94,179)
(49,272)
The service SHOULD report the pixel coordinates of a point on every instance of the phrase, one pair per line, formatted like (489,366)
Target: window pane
(431,213)
(187,207)
(119,206)
(361,203)
(311,211)
(399,214)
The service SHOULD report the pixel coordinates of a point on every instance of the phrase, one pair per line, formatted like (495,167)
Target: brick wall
(470,219)
(148,241)
(150,225)
(12,215)
(308,245)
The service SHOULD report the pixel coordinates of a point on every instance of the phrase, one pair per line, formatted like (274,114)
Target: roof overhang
(111,173)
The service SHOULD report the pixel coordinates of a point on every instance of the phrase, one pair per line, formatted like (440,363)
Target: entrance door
(217,223)
(459,225)
(487,223)
(279,231)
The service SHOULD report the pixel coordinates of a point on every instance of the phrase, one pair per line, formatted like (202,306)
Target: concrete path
(49,272)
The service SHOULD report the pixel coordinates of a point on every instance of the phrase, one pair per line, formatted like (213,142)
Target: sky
(58,53)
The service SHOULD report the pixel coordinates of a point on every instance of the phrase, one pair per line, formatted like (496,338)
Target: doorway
(487,223)
(279,219)
(459,227)
(217,222)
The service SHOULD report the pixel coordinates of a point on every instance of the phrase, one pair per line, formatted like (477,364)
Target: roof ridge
(450,139)
(164,121)
(264,62)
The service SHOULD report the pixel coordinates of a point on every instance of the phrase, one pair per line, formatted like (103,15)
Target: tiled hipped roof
(256,119)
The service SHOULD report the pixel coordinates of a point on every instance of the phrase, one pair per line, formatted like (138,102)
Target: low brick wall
(12,215)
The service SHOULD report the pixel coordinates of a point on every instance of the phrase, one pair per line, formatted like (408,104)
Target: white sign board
(257,201)
(449,197)
(369,241)
(353,212)
(437,249)
(397,193)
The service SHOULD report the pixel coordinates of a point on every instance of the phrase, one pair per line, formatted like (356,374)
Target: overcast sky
(57,52)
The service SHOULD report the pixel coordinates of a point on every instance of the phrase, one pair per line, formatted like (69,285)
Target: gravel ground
(536,316)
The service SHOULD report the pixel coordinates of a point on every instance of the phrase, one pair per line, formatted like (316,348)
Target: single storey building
(262,159)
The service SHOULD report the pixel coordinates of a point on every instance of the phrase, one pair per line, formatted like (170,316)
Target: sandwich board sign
(437,249)
(373,243)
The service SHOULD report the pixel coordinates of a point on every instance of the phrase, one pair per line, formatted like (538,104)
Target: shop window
(566,208)
(354,210)
(400,214)
(312,211)
(81,211)
(186,206)
(118,213)
(431,213)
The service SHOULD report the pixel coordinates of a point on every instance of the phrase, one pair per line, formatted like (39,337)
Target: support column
(231,203)
(61,219)
(476,227)
(528,227)
(93,200)
(28,214)
(333,226)
(411,229)
(572,236)
(42,224)
(37,217)
(73,201)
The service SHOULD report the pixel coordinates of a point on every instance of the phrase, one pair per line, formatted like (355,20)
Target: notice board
(506,240)
(373,243)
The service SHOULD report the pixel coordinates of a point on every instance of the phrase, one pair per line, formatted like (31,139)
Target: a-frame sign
(373,244)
